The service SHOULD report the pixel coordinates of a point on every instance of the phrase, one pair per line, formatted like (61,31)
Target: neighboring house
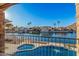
(8,24)
(45,28)
(72,27)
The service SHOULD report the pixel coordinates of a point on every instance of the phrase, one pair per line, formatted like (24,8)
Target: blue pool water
(25,47)
(47,51)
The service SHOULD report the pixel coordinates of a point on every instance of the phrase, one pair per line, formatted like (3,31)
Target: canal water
(67,38)
(68,35)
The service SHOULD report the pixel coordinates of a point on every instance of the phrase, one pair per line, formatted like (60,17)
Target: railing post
(77,25)
(2,42)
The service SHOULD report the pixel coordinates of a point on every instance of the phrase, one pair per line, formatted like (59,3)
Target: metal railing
(38,41)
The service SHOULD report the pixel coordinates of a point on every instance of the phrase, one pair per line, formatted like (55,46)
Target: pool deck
(12,48)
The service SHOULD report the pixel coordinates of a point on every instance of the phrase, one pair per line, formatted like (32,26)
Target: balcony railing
(65,42)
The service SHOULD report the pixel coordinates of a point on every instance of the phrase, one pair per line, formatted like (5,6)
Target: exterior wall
(77,15)
(3,7)
(2,31)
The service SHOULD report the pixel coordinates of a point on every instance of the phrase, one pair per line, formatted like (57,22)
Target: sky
(42,14)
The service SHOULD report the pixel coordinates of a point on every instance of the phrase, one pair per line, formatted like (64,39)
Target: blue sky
(42,14)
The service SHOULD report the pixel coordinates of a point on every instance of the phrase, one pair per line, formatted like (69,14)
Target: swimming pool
(26,47)
(47,51)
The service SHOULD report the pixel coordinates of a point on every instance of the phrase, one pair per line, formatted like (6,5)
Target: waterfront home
(22,30)
(45,28)
(34,30)
(72,27)
(8,25)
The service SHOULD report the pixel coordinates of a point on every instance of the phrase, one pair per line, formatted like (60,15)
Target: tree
(54,25)
(58,22)
(29,23)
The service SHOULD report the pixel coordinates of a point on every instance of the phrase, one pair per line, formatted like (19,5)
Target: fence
(46,45)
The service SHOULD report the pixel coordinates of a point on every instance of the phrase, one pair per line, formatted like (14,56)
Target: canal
(66,38)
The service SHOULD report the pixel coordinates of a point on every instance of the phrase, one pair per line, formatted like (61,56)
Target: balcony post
(2,41)
(77,25)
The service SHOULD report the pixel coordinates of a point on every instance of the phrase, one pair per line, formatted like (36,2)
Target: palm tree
(54,25)
(58,22)
(29,23)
